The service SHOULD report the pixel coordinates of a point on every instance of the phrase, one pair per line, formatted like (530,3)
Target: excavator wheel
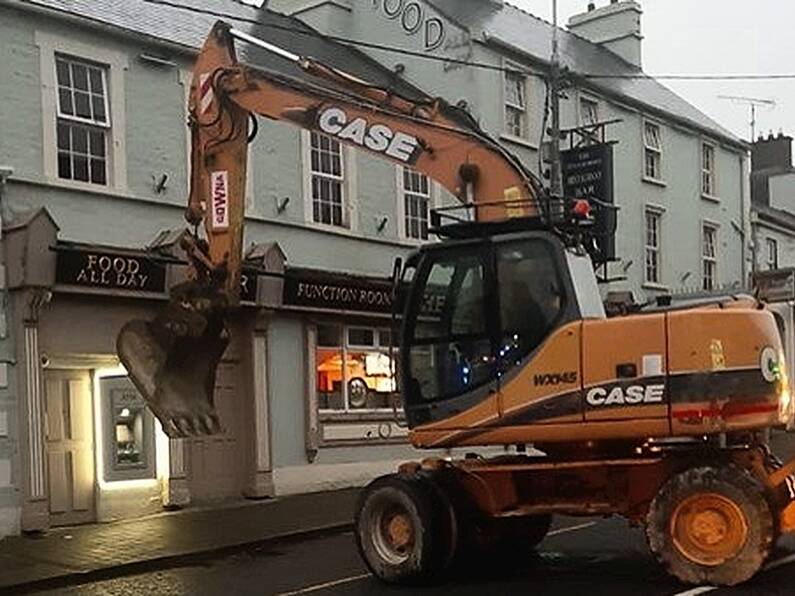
(711,525)
(405,529)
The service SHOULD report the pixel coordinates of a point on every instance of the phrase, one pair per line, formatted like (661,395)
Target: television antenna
(753,103)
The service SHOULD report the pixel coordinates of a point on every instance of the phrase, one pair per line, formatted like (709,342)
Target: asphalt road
(580,557)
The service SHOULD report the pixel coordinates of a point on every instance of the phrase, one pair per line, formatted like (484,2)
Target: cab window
(451,351)
(530,295)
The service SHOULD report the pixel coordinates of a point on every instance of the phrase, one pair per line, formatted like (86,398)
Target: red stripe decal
(728,411)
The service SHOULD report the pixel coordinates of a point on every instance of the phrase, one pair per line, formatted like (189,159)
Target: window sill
(371,416)
(711,198)
(654,181)
(655,287)
(526,143)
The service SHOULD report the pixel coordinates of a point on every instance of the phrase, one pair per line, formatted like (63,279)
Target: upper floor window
(707,169)
(327,180)
(772,253)
(652,141)
(709,256)
(416,204)
(589,111)
(653,246)
(515,105)
(83,120)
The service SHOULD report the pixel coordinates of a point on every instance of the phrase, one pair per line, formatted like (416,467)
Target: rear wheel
(404,529)
(711,525)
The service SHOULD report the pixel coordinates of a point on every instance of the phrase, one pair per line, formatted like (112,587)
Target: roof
(532,36)
(775,216)
(187,30)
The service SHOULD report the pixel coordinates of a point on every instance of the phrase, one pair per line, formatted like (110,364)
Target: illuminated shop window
(355,372)
(128,431)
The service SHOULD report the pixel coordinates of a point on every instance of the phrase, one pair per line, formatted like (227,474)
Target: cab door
(449,366)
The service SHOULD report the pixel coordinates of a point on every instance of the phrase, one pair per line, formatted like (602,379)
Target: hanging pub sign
(320,290)
(109,270)
(587,173)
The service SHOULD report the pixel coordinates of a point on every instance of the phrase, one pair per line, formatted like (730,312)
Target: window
(709,255)
(653,246)
(707,169)
(354,370)
(327,180)
(653,151)
(82,120)
(451,349)
(515,105)
(589,111)
(416,204)
(531,297)
(772,253)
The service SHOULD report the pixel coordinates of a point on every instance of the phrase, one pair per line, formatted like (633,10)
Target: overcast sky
(714,36)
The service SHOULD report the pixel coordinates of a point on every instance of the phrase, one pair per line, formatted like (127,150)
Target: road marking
(782,561)
(571,529)
(772,565)
(333,584)
(696,591)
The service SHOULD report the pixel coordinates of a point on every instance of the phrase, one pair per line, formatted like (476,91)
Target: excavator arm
(172,360)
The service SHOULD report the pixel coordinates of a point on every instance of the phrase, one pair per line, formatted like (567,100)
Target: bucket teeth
(173,362)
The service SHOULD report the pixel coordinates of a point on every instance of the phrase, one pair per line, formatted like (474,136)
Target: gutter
(625,99)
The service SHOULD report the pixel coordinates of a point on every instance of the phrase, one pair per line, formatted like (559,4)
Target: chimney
(772,153)
(615,27)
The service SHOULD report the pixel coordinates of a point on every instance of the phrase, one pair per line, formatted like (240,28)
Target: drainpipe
(5,173)
(746,221)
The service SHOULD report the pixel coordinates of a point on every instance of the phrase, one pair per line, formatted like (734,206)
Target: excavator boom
(172,360)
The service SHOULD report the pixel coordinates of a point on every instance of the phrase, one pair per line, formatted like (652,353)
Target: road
(579,557)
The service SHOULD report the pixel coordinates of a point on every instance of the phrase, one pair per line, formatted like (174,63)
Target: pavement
(80,554)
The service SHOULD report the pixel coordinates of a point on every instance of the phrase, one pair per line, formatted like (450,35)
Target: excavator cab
(477,309)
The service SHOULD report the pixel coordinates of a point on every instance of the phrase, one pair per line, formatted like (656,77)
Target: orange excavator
(658,416)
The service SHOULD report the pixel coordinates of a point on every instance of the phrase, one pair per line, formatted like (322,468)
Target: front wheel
(711,525)
(404,531)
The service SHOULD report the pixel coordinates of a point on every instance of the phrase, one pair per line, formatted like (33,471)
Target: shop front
(305,392)
(90,448)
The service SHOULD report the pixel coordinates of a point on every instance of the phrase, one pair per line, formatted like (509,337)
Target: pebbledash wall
(304,390)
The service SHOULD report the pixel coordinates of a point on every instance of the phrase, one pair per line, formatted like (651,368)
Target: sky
(714,37)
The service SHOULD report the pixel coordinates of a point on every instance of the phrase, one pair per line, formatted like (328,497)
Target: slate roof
(187,30)
(532,36)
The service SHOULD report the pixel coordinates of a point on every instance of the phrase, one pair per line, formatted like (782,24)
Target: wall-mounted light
(281,205)
(160,183)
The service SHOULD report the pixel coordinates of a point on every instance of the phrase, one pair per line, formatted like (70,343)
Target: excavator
(658,415)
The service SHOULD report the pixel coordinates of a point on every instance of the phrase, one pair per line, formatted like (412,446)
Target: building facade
(93,174)
(773,204)
(680,179)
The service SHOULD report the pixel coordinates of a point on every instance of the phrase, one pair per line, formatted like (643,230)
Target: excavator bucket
(172,361)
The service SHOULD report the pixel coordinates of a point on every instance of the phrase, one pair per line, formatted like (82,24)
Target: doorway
(69,446)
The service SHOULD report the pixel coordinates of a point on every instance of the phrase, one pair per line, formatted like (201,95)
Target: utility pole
(556,187)
(753,103)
